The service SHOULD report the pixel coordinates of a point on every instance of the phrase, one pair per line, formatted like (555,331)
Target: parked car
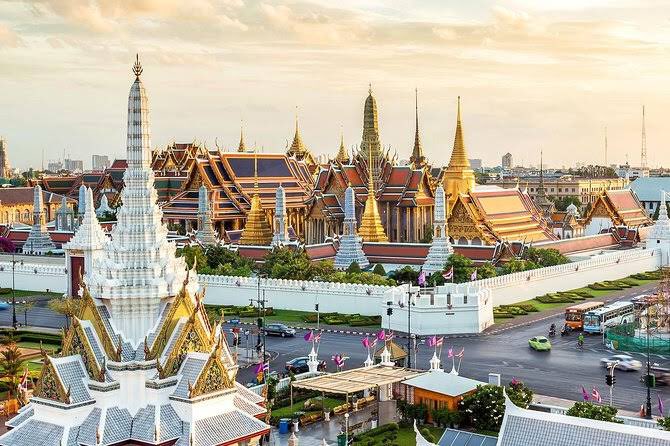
(299,365)
(539,343)
(279,330)
(621,362)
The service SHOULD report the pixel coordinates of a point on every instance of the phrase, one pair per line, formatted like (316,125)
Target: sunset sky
(531,73)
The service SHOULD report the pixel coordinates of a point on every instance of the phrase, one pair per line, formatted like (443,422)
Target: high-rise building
(73,165)
(475,163)
(5,170)
(99,162)
(507,161)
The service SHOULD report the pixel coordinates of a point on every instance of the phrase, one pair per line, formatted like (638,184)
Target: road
(39,316)
(560,373)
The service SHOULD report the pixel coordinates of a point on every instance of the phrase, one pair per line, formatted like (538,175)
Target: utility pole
(14,321)
(409,325)
(260,303)
(648,380)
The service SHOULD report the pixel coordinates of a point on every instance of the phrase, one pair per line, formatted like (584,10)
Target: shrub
(379,270)
(5,290)
(593,412)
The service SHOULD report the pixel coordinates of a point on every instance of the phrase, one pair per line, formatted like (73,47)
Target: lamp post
(346,428)
(647,414)
(14,321)
(409,325)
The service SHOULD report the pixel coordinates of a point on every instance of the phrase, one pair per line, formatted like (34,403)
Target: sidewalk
(314,434)
(561,402)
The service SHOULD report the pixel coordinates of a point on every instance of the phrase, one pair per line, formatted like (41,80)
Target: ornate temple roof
(494,214)
(621,206)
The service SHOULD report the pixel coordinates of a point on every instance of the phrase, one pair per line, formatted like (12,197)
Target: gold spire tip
(137,68)
(370,88)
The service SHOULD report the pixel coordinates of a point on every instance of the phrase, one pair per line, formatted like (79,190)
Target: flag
(23,382)
(390,335)
(381,335)
(460,354)
(373,344)
(473,276)
(450,353)
(585,394)
(339,359)
(309,336)
(266,367)
(317,337)
(432,341)
(448,274)
(260,367)
(439,342)
(596,395)
(661,407)
(422,278)
(366,342)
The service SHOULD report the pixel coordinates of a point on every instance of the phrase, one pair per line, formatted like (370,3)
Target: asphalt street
(38,316)
(560,373)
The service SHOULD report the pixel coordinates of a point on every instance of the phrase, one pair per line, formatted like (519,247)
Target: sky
(549,74)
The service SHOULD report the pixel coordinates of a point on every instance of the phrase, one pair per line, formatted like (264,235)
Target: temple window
(476,241)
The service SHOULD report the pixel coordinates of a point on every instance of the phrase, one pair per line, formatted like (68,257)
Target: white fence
(631,421)
(295,294)
(517,287)
(33,276)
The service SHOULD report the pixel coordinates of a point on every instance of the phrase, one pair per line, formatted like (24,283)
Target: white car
(623,362)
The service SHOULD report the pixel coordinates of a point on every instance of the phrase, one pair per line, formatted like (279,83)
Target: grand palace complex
(394,201)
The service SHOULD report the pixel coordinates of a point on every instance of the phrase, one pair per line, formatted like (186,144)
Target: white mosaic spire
(64,217)
(39,241)
(139,269)
(206,234)
(659,236)
(104,207)
(81,204)
(351,246)
(280,236)
(440,249)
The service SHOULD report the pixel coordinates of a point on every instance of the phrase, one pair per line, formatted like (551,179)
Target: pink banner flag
(448,274)
(432,341)
(450,353)
(381,335)
(422,278)
(473,276)
(596,395)
(366,342)
(309,336)
(585,394)
(259,368)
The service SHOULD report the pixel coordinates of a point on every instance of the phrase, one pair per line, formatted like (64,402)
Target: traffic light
(389,311)
(610,380)
(650,380)
(316,307)
(260,322)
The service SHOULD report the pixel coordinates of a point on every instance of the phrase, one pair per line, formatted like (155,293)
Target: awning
(357,380)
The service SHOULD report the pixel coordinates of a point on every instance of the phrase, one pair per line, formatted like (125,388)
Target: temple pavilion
(141,363)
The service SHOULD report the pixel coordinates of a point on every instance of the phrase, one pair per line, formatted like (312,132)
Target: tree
(379,269)
(287,263)
(10,363)
(463,267)
(354,268)
(545,257)
(593,411)
(193,254)
(405,274)
(223,261)
(562,203)
(664,423)
(486,270)
(26,306)
(6,245)
(518,265)
(18,182)
(519,393)
(484,409)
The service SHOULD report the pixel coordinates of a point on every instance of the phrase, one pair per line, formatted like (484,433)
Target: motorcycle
(552,333)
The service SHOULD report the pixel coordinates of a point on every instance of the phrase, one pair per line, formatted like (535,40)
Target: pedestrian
(642,411)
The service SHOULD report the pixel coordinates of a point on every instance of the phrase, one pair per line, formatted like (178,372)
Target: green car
(540,344)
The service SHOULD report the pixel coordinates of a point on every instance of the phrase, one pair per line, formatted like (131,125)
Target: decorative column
(39,241)
(659,237)
(351,246)
(206,234)
(440,248)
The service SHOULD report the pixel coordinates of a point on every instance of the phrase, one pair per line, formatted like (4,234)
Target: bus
(615,313)
(574,315)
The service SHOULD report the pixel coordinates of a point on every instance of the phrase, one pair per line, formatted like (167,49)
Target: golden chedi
(459,178)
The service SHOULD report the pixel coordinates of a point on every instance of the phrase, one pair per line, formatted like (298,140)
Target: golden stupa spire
(297,146)
(241,147)
(371,228)
(417,159)
(342,155)
(459,178)
(257,230)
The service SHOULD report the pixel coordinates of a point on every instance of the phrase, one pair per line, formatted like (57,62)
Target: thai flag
(432,341)
(596,395)
(585,394)
(373,344)
(317,338)
(366,342)
(23,382)
(422,278)
(439,342)
(390,335)
(448,274)
(450,352)
(473,276)
(309,336)
(460,354)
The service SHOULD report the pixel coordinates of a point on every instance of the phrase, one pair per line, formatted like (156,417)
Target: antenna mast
(643,154)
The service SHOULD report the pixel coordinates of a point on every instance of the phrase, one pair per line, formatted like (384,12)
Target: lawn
(49,347)
(287,411)
(293,317)
(404,436)
(28,293)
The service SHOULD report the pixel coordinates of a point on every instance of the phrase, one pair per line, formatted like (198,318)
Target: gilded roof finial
(417,157)
(137,68)
(241,147)
(370,88)
(256,171)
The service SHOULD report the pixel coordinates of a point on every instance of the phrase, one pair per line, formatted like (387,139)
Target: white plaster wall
(294,294)
(517,287)
(34,276)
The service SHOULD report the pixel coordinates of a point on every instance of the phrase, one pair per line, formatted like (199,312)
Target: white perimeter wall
(295,294)
(517,287)
(33,275)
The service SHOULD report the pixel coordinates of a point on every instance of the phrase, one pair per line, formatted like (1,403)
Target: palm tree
(10,364)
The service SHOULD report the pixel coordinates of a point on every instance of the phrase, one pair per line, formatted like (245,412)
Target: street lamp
(346,428)
(14,321)
(409,324)
(648,379)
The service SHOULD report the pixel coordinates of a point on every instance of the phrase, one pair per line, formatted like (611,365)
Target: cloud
(8,38)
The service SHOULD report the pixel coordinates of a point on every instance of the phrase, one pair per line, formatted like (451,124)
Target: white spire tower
(39,241)
(280,236)
(351,246)
(440,249)
(140,270)
(659,237)
(206,234)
